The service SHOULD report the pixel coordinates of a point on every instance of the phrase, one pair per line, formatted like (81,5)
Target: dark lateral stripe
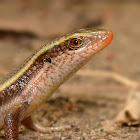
(54,52)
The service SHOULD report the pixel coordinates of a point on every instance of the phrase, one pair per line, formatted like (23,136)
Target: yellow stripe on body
(30,62)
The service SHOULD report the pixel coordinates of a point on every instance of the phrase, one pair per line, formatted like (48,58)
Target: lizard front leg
(12,120)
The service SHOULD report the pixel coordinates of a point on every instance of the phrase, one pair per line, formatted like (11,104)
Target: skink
(36,80)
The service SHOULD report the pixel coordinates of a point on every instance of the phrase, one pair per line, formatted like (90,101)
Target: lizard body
(43,73)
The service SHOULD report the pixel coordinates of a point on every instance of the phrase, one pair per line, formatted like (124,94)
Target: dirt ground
(88,104)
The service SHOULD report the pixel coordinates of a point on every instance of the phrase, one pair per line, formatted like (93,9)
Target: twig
(112,75)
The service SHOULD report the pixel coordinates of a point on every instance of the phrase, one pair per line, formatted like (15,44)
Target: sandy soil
(93,103)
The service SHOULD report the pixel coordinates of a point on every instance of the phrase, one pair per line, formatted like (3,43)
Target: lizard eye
(75,42)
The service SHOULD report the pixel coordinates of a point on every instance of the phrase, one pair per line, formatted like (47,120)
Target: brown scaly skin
(42,74)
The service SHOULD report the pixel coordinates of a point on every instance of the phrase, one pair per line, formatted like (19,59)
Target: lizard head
(88,41)
(68,53)
(84,42)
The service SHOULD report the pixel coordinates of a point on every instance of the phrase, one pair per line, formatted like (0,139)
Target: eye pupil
(75,42)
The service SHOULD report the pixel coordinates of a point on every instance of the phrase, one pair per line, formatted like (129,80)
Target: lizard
(48,68)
